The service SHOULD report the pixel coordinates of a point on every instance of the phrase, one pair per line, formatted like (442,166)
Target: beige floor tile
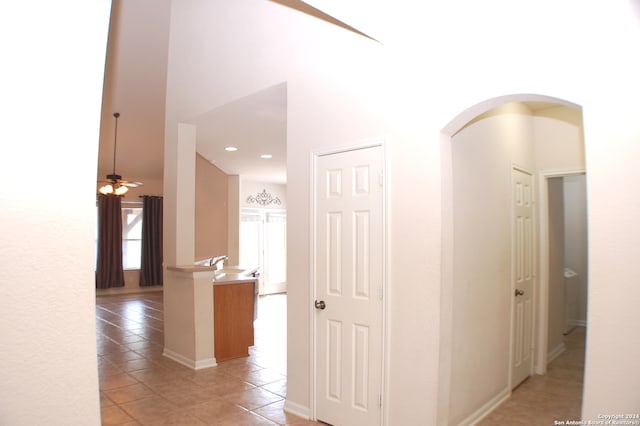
(262,377)
(556,396)
(116,381)
(243,419)
(253,398)
(190,398)
(213,411)
(226,388)
(177,419)
(149,410)
(136,364)
(105,401)
(114,416)
(139,386)
(238,369)
(279,387)
(129,393)
(275,412)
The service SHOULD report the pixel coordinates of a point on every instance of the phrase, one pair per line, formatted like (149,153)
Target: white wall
(483,154)
(51,85)
(333,99)
(576,249)
(343,88)
(556,229)
(559,139)
(439,63)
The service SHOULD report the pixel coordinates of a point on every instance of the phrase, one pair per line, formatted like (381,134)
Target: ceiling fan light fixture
(115,184)
(106,189)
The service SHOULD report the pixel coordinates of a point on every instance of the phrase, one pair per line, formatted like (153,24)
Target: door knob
(519,292)
(320,304)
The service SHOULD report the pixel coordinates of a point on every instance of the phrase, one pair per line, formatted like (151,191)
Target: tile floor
(138,386)
(540,400)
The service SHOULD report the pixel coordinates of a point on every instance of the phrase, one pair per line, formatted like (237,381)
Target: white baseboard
(206,363)
(555,352)
(487,408)
(297,409)
(187,362)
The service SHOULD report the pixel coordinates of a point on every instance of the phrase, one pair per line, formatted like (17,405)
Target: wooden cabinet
(233,306)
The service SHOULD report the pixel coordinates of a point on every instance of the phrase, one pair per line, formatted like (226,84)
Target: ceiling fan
(114,184)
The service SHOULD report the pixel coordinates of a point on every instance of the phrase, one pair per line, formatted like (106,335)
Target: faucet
(216,260)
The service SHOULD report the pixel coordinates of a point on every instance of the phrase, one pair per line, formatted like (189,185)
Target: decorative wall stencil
(264,199)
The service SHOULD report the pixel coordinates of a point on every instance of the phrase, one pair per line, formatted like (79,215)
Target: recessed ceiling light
(266,156)
(231,148)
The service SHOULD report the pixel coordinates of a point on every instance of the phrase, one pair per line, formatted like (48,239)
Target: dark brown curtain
(109,270)
(151,264)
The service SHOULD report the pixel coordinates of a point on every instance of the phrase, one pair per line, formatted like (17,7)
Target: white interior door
(348,287)
(523,263)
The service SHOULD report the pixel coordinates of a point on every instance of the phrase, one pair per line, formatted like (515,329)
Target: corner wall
(211,210)
(51,96)
(576,250)
(345,88)
(483,154)
(556,308)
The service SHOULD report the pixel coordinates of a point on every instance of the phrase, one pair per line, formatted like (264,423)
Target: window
(131,237)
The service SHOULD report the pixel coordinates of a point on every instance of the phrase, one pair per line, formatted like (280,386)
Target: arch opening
(479,150)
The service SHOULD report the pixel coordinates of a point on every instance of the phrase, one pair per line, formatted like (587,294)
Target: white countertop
(220,277)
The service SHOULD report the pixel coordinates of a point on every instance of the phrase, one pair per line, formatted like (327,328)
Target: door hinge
(380,400)
(381,179)
(381,292)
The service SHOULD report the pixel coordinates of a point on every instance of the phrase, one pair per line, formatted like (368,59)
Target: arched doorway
(481,148)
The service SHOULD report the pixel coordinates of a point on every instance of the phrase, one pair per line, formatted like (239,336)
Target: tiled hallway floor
(557,395)
(139,386)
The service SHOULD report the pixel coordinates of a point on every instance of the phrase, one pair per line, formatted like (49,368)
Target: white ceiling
(135,86)
(256,125)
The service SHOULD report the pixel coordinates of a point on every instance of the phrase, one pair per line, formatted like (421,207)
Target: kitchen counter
(227,275)
(193,337)
(236,274)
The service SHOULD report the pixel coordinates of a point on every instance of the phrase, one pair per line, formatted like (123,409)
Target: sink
(231,273)
(231,270)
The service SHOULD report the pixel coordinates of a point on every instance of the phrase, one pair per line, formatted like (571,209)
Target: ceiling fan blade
(130,184)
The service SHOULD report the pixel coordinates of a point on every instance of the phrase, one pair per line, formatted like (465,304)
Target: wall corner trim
(297,409)
(187,362)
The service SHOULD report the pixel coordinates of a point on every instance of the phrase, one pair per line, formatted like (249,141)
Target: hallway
(541,400)
(139,386)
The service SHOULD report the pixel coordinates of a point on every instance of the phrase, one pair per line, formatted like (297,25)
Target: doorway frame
(263,241)
(542,294)
(314,155)
(447,134)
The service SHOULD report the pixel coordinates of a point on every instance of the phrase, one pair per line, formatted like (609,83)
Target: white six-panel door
(348,286)
(523,264)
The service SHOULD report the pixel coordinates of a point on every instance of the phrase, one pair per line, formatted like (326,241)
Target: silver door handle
(320,304)
(519,292)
